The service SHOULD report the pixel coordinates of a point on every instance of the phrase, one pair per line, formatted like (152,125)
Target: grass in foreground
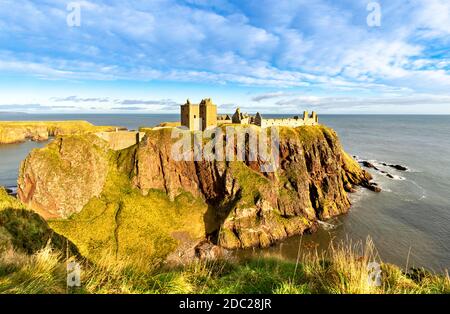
(343,269)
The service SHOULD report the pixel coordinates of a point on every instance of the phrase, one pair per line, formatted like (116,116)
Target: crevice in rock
(116,227)
(163,173)
(314,198)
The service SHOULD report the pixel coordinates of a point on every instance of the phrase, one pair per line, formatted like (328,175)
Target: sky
(125,56)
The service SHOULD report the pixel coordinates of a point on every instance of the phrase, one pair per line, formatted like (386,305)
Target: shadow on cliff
(28,232)
(218,210)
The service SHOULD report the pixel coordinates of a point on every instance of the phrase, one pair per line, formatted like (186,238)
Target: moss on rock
(132,202)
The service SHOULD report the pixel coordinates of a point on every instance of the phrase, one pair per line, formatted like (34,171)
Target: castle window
(195,116)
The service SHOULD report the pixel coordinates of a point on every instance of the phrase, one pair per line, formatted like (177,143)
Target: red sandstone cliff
(246,208)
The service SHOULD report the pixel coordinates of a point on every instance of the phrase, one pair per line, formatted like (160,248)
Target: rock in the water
(374,187)
(399,167)
(367,164)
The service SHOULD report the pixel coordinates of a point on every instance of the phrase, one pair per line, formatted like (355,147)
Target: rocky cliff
(249,208)
(59,179)
(14,132)
(142,191)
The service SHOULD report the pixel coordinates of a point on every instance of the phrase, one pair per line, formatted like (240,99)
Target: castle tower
(258,119)
(236,118)
(305,116)
(314,117)
(208,113)
(190,116)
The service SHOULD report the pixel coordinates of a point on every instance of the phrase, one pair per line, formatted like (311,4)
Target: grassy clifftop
(342,270)
(19,131)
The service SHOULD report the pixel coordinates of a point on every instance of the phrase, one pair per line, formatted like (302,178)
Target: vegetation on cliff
(24,231)
(123,223)
(138,229)
(140,202)
(18,131)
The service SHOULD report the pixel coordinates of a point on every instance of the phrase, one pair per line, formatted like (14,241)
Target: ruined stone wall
(265,123)
(289,122)
(121,139)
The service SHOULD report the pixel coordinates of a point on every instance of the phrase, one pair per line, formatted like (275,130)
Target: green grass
(42,272)
(340,270)
(23,230)
(252,183)
(35,265)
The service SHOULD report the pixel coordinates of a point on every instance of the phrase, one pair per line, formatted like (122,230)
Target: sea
(409,221)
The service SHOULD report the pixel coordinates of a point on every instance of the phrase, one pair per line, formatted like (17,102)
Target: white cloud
(323,46)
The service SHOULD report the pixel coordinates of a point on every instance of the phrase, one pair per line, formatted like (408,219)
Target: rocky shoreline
(377,167)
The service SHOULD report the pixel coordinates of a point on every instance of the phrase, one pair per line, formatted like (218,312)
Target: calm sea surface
(408,221)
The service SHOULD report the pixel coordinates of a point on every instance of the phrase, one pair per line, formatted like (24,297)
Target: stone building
(224,119)
(199,116)
(240,118)
(204,115)
(295,121)
(121,139)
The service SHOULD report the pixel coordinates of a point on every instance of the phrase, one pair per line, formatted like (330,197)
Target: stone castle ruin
(204,115)
(295,121)
(199,116)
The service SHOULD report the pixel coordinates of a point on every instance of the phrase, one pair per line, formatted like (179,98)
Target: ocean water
(409,221)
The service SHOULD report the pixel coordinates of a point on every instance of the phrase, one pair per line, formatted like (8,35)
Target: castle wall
(121,139)
(204,115)
(245,121)
(290,122)
(296,121)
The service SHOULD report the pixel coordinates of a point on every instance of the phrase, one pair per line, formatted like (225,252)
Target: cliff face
(243,207)
(249,208)
(60,179)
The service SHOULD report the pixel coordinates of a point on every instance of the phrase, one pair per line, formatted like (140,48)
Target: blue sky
(268,56)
